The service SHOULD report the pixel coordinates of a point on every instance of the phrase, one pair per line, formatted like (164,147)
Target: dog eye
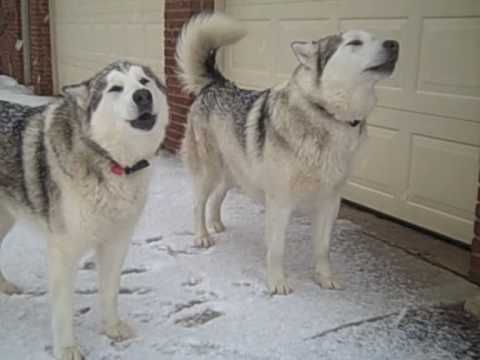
(144,81)
(355,43)
(116,88)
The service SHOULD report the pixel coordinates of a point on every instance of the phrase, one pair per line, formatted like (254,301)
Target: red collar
(118,170)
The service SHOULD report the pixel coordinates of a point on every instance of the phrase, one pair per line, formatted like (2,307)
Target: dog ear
(78,92)
(305,52)
(327,46)
(149,72)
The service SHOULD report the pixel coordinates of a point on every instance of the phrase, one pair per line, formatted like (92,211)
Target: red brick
(475,268)
(172,145)
(181,110)
(177,13)
(178,4)
(40,47)
(179,119)
(170,62)
(174,134)
(180,99)
(476,229)
(476,245)
(177,127)
(11,60)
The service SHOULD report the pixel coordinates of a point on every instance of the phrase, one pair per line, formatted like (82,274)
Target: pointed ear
(78,92)
(327,46)
(305,52)
(149,72)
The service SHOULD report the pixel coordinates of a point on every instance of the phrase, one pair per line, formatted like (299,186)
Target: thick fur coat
(290,146)
(68,167)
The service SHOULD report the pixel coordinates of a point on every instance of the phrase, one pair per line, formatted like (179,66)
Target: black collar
(142,164)
(115,167)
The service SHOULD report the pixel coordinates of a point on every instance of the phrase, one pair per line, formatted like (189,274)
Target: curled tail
(197,45)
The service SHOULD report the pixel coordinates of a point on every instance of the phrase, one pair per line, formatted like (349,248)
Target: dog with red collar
(79,167)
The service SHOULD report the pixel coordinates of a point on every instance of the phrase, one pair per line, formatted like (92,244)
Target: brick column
(177,12)
(41,51)
(11,58)
(475,259)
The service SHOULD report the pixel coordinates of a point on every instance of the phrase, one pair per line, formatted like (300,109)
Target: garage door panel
(437,167)
(457,107)
(449,56)
(379,174)
(248,70)
(436,220)
(447,8)
(374,8)
(89,34)
(281,9)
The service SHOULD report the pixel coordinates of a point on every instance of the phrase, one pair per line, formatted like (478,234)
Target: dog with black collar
(291,146)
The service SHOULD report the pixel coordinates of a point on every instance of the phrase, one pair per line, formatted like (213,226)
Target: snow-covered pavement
(189,303)
(11,90)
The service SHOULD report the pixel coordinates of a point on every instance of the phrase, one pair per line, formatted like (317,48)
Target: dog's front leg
(277,217)
(61,274)
(323,220)
(110,257)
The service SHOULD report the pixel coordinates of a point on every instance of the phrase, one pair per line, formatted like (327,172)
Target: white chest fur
(93,209)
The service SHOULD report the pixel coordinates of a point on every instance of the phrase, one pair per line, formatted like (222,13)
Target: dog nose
(143,98)
(391,45)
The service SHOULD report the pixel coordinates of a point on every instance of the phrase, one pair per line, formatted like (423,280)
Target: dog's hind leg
(205,165)
(323,221)
(203,185)
(6,223)
(215,206)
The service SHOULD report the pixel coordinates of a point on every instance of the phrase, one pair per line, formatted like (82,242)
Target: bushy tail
(197,44)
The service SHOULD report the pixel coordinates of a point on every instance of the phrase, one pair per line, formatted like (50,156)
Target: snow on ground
(11,90)
(189,303)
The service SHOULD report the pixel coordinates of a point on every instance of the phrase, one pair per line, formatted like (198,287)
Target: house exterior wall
(11,58)
(177,12)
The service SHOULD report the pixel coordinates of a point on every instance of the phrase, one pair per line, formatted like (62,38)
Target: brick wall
(40,47)
(11,59)
(475,262)
(177,12)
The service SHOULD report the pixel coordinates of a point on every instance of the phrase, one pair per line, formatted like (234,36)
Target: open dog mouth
(145,121)
(388,66)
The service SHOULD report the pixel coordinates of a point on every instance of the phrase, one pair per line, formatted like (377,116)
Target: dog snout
(392,46)
(143,99)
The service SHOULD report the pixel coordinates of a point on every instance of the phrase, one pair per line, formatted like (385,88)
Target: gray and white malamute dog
(78,169)
(291,146)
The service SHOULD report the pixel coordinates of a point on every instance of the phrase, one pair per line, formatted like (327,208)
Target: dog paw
(204,241)
(217,226)
(279,286)
(70,353)
(120,331)
(8,288)
(327,282)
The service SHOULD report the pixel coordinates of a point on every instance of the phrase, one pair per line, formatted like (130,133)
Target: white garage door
(423,153)
(90,34)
